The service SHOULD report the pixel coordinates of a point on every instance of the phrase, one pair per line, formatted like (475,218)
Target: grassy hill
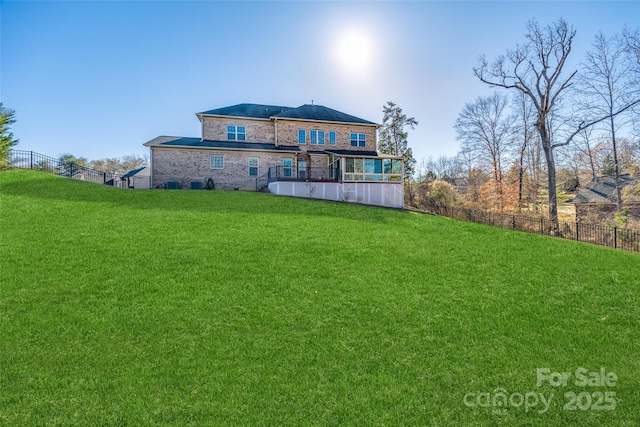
(229,308)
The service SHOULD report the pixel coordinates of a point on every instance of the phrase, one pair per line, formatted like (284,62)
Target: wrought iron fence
(22,159)
(613,237)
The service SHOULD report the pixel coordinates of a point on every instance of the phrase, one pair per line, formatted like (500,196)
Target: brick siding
(187,165)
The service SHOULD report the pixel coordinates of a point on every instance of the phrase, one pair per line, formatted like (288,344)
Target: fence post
(513,222)
(30,159)
(615,237)
(541,225)
(577,234)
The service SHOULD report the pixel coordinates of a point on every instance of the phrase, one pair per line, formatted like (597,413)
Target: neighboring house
(309,151)
(596,203)
(137,178)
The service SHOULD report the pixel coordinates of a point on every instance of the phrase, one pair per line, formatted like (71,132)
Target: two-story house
(309,151)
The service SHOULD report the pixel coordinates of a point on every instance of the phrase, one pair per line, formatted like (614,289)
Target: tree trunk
(616,165)
(591,162)
(551,175)
(521,177)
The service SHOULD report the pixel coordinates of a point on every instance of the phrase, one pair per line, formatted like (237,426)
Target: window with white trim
(372,169)
(358,139)
(236,133)
(253,166)
(217,162)
(332,138)
(320,137)
(302,136)
(313,137)
(287,167)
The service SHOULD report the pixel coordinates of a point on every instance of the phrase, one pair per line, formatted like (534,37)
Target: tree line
(113,165)
(547,129)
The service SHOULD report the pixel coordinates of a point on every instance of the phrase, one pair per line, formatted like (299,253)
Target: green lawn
(159,307)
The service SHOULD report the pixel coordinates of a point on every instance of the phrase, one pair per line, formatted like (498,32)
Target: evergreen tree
(6,137)
(393,136)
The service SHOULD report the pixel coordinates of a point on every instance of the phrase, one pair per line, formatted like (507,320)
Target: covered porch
(350,176)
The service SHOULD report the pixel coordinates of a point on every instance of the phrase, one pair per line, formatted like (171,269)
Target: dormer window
(236,133)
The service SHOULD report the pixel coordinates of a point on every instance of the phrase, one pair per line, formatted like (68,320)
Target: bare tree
(632,39)
(132,162)
(526,137)
(587,150)
(486,128)
(606,87)
(535,69)
(117,165)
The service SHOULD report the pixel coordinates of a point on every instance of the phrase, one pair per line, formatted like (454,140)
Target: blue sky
(98,79)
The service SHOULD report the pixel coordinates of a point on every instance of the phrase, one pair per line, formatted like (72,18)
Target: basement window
(253,166)
(217,162)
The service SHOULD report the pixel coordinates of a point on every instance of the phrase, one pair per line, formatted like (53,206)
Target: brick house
(308,151)
(596,203)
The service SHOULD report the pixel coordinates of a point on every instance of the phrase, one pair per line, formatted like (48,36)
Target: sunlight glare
(354,51)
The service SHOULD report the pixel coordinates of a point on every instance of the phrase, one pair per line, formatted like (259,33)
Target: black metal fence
(22,159)
(613,237)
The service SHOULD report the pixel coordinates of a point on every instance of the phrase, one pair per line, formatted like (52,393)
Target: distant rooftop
(304,112)
(602,189)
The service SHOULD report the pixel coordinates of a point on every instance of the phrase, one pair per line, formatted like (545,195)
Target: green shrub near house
(159,307)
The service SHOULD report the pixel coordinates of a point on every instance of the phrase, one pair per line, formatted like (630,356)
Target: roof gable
(134,172)
(602,189)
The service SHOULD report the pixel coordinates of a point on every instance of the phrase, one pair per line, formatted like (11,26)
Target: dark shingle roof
(602,189)
(132,172)
(255,111)
(176,141)
(305,112)
(320,113)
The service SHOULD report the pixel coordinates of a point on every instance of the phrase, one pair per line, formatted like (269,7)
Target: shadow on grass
(39,185)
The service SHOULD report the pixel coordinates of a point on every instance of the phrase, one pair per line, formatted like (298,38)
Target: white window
(302,136)
(316,137)
(217,162)
(358,139)
(287,167)
(253,166)
(302,170)
(236,133)
(332,138)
